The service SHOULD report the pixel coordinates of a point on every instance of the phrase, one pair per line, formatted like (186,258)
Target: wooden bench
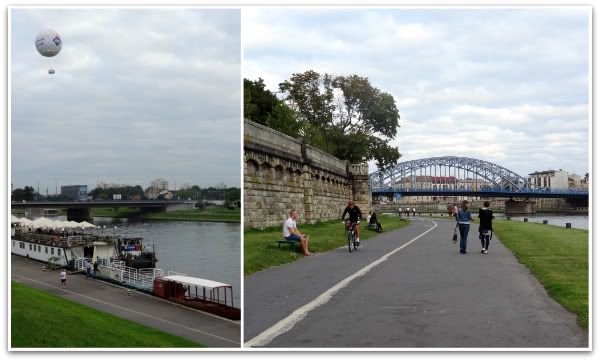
(292,243)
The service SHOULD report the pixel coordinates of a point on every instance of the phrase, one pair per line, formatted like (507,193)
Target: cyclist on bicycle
(355,216)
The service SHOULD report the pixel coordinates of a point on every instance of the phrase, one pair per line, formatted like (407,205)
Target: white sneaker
(485,252)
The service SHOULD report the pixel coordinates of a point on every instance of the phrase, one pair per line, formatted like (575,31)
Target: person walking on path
(63,278)
(291,232)
(463,220)
(454,210)
(88,269)
(485,226)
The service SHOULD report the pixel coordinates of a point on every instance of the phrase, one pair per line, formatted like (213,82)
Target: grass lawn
(261,251)
(206,214)
(40,319)
(557,257)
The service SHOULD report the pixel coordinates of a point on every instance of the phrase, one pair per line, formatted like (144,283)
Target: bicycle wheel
(350,240)
(354,243)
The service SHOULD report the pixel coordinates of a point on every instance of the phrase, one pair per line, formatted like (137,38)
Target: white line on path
(129,310)
(290,321)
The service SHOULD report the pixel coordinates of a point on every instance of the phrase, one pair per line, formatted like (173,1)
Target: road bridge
(81,210)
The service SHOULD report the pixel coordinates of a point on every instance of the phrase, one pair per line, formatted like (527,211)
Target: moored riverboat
(62,247)
(205,295)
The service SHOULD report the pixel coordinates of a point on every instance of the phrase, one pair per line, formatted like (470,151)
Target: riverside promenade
(206,329)
(408,288)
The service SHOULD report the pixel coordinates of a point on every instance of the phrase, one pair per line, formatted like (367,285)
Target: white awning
(85,224)
(196,281)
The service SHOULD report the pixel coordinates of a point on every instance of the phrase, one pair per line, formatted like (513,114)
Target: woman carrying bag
(463,221)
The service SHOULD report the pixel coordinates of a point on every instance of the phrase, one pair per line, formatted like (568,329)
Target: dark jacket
(485,219)
(354,212)
(373,218)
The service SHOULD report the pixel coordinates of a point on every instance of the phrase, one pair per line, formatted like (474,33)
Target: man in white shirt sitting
(291,232)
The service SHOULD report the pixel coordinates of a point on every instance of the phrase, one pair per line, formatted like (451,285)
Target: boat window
(51,250)
(58,251)
(30,246)
(39,248)
(21,245)
(46,249)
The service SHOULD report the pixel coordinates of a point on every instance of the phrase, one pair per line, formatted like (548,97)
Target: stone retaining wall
(281,173)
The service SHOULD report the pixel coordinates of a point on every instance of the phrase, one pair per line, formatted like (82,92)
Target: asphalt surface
(426,294)
(147,310)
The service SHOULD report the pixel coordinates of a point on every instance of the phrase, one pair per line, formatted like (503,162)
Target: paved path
(147,310)
(424,294)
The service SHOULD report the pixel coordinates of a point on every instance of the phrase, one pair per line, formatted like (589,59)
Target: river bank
(202,215)
(556,256)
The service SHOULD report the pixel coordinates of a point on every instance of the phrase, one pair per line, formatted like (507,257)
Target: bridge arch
(447,166)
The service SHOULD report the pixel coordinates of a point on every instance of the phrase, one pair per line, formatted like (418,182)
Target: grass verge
(557,257)
(261,251)
(40,319)
(205,215)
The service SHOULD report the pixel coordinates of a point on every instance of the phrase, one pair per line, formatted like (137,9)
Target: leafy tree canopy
(345,116)
(354,120)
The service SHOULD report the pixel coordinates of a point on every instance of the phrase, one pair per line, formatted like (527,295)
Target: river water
(209,250)
(577,221)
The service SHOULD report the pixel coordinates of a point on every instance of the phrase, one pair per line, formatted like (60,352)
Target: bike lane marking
(290,321)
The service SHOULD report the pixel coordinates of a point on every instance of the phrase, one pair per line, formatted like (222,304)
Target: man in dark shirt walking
(485,226)
(355,216)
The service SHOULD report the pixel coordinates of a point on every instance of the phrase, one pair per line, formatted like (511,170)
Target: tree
(258,101)
(285,120)
(345,116)
(18,195)
(28,193)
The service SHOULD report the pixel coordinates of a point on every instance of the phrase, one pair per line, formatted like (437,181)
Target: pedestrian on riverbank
(291,232)
(63,278)
(463,220)
(485,226)
(88,269)
(454,211)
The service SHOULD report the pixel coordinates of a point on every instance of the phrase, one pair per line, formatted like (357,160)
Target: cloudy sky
(508,86)
(137,94)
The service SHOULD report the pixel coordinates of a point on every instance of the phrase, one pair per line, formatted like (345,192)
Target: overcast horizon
(509,86)
(137,94)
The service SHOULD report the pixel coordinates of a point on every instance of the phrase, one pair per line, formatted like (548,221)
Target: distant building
(160,184)
(74,192)
(551,179)
(578,182)
(157,186)
(165,194)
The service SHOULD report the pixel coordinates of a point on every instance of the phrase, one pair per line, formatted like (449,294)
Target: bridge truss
(410,174)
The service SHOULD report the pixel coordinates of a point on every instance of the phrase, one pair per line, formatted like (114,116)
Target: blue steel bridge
(460,176)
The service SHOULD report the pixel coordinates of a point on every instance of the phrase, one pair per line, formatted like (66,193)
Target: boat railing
(116,270)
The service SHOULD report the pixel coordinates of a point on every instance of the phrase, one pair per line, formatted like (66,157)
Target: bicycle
(350,230)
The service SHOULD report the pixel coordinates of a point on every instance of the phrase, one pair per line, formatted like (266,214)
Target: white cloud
(137,94)
(496,84)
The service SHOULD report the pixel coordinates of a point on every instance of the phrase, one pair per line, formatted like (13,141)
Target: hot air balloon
(48,43)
